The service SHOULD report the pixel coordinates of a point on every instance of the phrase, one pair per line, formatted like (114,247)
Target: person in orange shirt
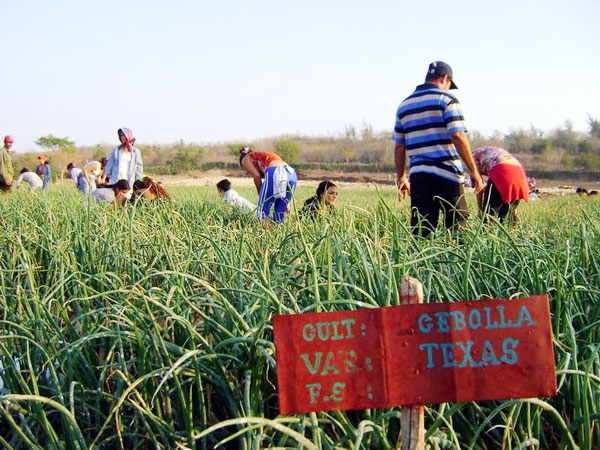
(275,182)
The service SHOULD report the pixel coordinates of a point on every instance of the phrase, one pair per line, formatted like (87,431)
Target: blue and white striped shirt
(424,123)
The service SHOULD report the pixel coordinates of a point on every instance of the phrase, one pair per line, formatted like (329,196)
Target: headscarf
(243,152)
(130,140)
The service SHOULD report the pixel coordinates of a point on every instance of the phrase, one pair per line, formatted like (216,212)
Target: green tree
(188,157)
(565,138)
(288,149)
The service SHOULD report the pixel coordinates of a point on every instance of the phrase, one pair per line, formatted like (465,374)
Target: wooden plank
(412,418)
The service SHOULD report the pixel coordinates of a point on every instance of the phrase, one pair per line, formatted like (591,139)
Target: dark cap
(438,69)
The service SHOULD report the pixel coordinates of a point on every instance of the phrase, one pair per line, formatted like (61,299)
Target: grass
(150,327)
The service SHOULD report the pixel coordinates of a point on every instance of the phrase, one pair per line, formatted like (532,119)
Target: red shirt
(262,160)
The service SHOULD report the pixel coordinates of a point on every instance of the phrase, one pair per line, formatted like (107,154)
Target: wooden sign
(414,354)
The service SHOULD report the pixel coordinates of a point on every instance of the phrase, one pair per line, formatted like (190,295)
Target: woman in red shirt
(507,182)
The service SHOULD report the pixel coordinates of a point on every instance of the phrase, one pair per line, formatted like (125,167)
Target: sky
(210,71)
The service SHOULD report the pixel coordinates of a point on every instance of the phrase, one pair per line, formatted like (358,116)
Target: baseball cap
(439,68)
(8,138)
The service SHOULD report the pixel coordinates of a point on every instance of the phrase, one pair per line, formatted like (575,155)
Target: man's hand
(403,189)
(477,183)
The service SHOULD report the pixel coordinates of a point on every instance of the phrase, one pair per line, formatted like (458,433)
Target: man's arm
(461,142)
(400,160)
(252,170)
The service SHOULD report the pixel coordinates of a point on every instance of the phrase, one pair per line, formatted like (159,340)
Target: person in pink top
(507,182)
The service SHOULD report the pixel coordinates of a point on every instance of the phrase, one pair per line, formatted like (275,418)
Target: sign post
(414,354)
(412,418)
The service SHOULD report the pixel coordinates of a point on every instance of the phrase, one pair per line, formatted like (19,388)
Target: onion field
(150,326)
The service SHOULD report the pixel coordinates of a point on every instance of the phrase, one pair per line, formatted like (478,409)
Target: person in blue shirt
(43,170)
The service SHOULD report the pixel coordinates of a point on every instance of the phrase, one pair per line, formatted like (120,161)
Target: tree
(52,143)
(62,151)
(188,157)
(289,150)
(594,126)
(565,138)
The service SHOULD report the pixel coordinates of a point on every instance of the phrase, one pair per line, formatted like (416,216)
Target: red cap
(9,138)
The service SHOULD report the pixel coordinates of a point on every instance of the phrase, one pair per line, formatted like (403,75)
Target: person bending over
(279,184)
(149,190)
(112,193)
(90,176)
(31,178)
(73,172)
(231,196)
(506,186)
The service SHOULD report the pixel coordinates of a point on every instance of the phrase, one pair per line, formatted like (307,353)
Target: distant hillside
(561,150)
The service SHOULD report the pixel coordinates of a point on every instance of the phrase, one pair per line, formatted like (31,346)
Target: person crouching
(112,193)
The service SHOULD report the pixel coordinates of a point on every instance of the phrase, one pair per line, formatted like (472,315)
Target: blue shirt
(136,166)
(424,122)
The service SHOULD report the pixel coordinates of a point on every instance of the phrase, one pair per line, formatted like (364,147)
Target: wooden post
(412,418)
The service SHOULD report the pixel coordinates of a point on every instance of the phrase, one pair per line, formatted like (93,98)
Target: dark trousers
(493,204)
(430,195)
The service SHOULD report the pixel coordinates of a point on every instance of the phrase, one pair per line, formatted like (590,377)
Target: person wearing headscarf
(507,182)
(324,199)
(124,161)
(279,184)
(7,172)
(43,170)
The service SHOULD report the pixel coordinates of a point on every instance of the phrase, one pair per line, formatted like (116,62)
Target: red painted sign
(415,354)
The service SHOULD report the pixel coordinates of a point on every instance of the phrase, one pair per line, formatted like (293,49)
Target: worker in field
(91,176)
(73,172)
(323,201)
(279,184)
(149,190)
(44,171)
(124,161)
(31,178)
(506,186)
(231,196)
(430,130)
(7,171)
(113,193)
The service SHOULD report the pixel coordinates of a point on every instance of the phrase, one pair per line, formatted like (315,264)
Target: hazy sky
(225,70)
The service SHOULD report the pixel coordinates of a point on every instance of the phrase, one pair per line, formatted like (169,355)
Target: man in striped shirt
(430,129)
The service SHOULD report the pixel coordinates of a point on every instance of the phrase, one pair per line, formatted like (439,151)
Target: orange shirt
(262,160)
